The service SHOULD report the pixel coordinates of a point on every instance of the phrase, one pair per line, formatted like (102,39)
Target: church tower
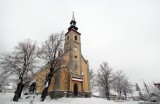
(78,82)
(73,80)
(73,42)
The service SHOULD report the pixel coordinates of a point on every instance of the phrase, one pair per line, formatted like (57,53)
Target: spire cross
(73,18)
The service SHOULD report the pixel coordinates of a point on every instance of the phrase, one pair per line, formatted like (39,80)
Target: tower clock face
(75,48)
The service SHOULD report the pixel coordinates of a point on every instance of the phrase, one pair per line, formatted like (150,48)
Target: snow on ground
(7,99)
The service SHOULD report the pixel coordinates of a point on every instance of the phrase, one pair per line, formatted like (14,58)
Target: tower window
(68,38)
(75,57)
(75,37)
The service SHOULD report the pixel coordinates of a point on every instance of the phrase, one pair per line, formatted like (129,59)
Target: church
(72,81)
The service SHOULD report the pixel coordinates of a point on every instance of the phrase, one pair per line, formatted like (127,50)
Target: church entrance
(75,89)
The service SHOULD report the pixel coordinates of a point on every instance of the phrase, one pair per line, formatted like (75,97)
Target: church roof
(86,61)
(43,68)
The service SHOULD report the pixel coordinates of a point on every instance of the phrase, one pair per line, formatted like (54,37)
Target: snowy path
(7,99)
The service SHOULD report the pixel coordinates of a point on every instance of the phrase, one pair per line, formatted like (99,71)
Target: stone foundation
(59,94)
(56,94)
(87,94)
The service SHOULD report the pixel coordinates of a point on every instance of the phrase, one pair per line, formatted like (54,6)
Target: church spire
(73,23)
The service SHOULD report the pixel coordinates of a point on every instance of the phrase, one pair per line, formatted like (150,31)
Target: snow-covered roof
(134,94)
(96,93)
(75,79)
(8,87)
(113,92)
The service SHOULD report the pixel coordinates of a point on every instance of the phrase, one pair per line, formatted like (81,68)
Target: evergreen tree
(137,87)
(139,90)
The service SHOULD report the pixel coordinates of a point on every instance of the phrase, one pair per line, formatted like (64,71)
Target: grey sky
(125,33)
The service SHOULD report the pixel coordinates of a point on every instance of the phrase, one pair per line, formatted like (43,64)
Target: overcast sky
(124,33)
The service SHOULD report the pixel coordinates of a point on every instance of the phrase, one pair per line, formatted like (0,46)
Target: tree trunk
(44,93)
(107,93)
(125,94)
(119,95)
(47,84)
(18,90)
(108,97)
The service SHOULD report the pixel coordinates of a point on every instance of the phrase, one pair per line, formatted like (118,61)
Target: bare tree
(52,52)
(105,78)
(4,74)
(127,87)
(119,82)
(20,62)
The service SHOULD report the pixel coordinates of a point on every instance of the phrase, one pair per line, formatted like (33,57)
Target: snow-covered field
(7,99)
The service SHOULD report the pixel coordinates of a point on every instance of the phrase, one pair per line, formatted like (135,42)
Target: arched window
(75,38)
